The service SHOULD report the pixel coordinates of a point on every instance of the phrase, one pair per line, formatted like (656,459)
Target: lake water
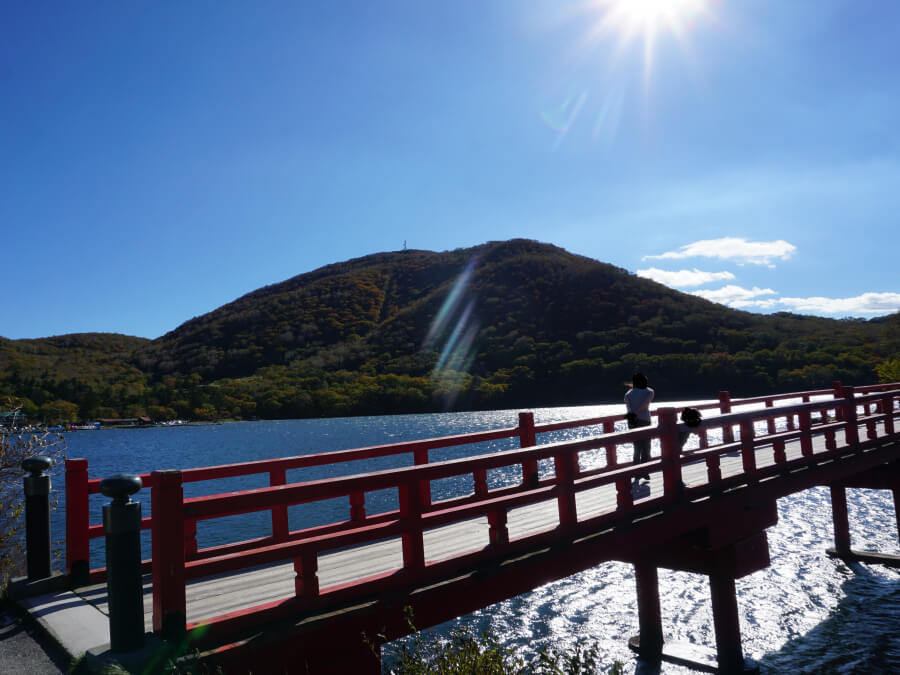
(804,613)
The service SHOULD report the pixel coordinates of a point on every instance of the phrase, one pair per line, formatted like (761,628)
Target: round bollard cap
(120,486)
(37,465)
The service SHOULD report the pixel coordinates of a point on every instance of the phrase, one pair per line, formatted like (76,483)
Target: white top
(638,401)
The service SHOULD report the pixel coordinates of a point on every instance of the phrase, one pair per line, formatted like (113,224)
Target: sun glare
(614,39)
(649,14)
(645,20)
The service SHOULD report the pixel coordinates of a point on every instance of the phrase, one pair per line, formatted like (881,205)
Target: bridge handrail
(79,486)
(390,449)
(413,517)
(262,499)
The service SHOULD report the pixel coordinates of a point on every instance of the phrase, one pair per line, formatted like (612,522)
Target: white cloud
(769,303)
(867,303)
(736,249)
(736,296)
(684,278)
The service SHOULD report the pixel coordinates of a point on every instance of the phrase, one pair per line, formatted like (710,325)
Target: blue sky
(158,160)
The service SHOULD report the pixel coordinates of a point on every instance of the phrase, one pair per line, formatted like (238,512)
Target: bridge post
(420,458)
(306,574)
(670,452)
(713,469)
(528,439)
(169,601)
(77,522)
(565,480)
(612,461)
(704,437)
(851,430)
(724,409)
(770,422)
(887,409)
(748,450)
(479,480)
(838,390)
(358,506)
(498,532)
(411,538)
(778,447)
(37,517)
(650,638)
(280,527)
(624,495)
(841,520)
(726,621)
(806,444)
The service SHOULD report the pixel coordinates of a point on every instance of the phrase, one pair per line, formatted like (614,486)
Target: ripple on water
(805,613)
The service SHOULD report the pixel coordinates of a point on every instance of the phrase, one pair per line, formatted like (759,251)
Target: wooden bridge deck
(226,593)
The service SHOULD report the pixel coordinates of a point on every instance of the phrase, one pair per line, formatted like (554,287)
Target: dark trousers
(641,448)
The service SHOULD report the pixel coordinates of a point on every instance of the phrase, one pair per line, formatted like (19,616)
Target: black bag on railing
(691,417)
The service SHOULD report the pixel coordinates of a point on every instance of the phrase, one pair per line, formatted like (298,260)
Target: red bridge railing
(176,558)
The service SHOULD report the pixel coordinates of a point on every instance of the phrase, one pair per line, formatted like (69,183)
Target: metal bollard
(37,517)
(122,525)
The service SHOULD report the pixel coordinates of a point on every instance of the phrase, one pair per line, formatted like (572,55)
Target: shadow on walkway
(24,650)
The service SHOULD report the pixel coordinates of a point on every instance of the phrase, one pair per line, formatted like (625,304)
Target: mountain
(504,324)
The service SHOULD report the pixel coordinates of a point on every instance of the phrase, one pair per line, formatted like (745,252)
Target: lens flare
(453,333)
(451,304)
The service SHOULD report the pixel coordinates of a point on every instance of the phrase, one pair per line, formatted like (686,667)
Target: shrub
(465,652)
(14,448)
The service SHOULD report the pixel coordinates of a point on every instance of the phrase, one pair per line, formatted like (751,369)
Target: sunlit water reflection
(804,613)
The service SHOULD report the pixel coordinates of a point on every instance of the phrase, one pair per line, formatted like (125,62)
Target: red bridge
(305,596)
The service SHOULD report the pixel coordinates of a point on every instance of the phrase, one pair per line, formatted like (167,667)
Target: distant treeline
(504,325)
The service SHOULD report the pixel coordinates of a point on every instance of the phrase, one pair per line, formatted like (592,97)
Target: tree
(889,371)
(14,449)
(59,411)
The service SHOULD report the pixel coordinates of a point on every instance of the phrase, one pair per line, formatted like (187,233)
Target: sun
(614,41)
(645,20)
(650,15)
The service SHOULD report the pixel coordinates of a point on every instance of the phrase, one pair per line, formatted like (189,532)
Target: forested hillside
(505,324)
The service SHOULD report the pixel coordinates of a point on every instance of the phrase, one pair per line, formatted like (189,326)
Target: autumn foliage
(505,324)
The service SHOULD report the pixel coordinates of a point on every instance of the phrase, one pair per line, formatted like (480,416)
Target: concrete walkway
(23,650)
(66,627)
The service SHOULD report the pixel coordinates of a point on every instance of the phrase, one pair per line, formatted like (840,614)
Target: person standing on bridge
(637,403)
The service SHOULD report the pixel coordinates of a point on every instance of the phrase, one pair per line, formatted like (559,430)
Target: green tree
(889,371)
(59,412)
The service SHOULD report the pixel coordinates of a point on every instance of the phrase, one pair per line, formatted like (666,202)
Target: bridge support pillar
(896,492)
(729,652)
(650,640)
(882,477)
(728,548)
(841,520)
